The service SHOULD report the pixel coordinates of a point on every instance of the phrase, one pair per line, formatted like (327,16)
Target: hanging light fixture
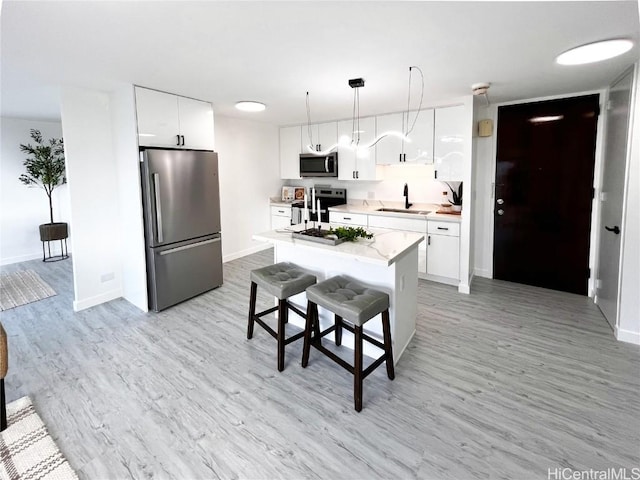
(354,142)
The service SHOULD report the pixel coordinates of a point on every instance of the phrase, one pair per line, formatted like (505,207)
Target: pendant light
(354,143)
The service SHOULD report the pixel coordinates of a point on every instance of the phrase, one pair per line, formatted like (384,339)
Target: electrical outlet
(107,277)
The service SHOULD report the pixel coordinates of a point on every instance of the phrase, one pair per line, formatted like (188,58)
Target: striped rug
(22,287)
(27,452)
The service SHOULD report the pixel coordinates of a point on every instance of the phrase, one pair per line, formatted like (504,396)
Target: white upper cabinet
(354,164)
(392,149)
(389,148)
(420,149)
(158,121)
(323,136)
(290,148)
(166,120)
(449,144)
(196,123)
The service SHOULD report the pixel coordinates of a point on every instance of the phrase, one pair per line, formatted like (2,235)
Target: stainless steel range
(328,197)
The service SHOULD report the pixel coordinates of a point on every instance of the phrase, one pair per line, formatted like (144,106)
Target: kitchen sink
(402,210)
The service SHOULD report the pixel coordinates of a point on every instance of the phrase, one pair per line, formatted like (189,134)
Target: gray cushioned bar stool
(283,280)
(355,303)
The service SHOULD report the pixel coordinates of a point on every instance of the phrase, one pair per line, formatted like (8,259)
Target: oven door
(318,166)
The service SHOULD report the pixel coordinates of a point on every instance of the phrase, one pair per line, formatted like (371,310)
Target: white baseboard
(96,300)
(248,251)
(627,336)
(21,258)
(464,288)
(482,272)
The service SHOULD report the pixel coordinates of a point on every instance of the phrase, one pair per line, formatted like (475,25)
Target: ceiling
(275,52)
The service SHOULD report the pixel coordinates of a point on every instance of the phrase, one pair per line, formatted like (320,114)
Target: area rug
(27,452)
(22,287)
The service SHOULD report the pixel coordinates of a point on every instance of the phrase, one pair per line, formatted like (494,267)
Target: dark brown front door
(544,181)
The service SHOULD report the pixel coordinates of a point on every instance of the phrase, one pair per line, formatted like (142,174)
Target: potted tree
(46,169)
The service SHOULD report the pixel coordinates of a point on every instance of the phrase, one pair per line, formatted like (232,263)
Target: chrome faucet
(406,196)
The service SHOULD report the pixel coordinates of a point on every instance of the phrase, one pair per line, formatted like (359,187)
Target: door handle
(187,247)
(615,229)
(156,191)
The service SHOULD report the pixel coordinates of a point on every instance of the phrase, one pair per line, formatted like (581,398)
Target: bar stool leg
(282,320)
(338,331)
(307,333)
(252,309)
(3,407)
(357,368)
(388,346)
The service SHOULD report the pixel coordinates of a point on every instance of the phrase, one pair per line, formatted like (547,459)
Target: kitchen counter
(385,248)
(372,209)
(278,202)
(387,262)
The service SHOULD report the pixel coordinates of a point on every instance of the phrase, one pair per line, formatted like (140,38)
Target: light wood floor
(507,382)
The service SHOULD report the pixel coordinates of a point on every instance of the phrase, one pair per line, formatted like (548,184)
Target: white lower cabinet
(418,225)
(443,250)
(357,219)
(280,217)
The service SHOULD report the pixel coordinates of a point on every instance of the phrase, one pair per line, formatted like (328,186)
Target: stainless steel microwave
(312,165)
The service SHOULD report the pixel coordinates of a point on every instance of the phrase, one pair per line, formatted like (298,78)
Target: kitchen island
(387,262)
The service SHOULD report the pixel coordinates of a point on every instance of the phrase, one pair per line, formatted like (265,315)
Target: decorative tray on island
(319,236)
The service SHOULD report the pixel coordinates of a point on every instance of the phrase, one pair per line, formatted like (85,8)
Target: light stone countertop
(384,248)
(278,202)
(374,205)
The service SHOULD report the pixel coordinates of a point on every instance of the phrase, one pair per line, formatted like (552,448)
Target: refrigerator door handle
(187,247)
(158,206)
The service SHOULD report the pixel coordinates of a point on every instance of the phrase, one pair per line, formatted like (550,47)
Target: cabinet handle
(182,136)
(280,211)
(428,239)
(400,156)
(178,138)
(443,228)
(435,172)
(353,174)
(346,218)
(357,174)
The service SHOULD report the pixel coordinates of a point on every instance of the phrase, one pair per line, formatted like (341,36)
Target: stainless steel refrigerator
(181,204)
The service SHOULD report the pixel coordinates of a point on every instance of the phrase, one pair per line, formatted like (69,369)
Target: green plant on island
(44,165)
(350,234)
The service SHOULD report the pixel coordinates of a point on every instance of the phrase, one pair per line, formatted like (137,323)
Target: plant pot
(456,208)
(53,231)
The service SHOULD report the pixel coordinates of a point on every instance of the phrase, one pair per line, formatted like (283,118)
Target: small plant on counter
(350,234)
(457,195)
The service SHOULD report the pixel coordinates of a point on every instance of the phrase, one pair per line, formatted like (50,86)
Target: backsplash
(423,188)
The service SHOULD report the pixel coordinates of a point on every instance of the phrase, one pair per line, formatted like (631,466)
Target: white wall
(24,208)
(132,254)
(629,316)
(249,168)
(93,193)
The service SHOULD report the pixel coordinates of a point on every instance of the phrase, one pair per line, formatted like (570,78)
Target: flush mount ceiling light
(594,52)
(250,106)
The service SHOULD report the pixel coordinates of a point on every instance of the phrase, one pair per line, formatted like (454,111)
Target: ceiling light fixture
(250,106)
(354,142)
(594,52)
